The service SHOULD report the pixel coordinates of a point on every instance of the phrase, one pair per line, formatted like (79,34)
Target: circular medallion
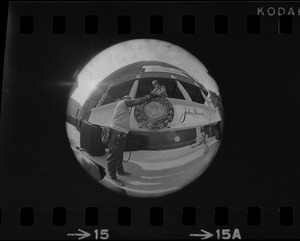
(154,114)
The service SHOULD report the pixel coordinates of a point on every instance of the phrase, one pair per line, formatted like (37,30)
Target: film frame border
(284,27)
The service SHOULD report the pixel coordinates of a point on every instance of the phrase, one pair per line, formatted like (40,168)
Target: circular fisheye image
(144,118)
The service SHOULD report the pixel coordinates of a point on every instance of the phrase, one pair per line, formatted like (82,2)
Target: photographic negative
(149,114)
(144,120)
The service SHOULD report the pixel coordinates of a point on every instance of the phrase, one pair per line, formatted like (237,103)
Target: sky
(132,51)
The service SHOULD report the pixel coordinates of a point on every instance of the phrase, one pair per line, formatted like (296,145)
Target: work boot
(117,181)
(123,173)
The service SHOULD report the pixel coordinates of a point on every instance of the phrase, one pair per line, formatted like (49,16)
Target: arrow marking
(81,235)
(204,235)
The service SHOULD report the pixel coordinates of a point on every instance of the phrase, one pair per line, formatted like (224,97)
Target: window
(145,87)
(194,92)
(115,93)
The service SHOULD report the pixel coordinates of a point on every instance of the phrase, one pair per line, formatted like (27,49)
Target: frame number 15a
(220,234)
(227,234)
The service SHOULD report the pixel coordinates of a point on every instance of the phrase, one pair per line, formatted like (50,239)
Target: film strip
(149,120)
(91,22)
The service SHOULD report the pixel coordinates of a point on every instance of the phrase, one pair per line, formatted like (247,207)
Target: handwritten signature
(188,112)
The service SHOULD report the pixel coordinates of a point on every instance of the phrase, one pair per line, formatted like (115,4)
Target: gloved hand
(153,95)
